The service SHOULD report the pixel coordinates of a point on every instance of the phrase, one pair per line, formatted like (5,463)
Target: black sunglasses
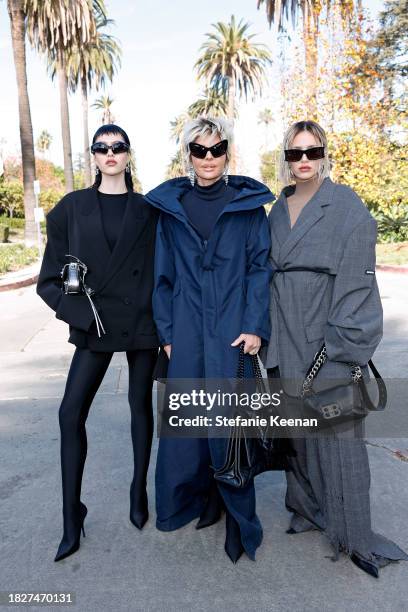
(201,151)
(103,148)
(295,155)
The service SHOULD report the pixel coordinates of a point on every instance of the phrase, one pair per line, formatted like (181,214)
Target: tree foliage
(389,49)
(176,166)
(97,61)
(44,141)
(362,111)
(104,103)
(231,62)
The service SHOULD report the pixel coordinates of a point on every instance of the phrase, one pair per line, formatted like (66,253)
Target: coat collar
(310,215)
(323,196)
(250,194)
(104,260)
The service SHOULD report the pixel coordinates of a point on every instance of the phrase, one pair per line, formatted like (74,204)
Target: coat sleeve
(73,309)
(257,278)
(164,279)
(355,321)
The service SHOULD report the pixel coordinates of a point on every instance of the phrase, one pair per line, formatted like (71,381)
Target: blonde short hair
(203,126)
(284,172)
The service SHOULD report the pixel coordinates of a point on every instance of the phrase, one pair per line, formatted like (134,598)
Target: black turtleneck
(204,204)
(113,206)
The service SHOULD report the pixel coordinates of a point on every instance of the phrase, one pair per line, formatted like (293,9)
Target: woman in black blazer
(112,231)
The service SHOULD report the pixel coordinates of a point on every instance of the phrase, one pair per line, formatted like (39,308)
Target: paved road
(118,568)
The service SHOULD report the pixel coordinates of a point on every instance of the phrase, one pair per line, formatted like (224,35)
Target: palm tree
(265,118)
(44,141)
(277,11)
(104,103)
(232,64)
(212,103)
(176,166)
(18,31)
(55,27)
(177,126)
(90,66)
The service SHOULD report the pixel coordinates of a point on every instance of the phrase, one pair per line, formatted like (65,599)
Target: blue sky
(160,42)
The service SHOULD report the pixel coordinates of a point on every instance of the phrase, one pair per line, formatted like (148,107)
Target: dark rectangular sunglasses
(295,155)
(103,148)
(201,151)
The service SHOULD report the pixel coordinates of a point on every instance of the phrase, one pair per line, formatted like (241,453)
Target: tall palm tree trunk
(87,157)
(17,20)
(231,117)
(65,129)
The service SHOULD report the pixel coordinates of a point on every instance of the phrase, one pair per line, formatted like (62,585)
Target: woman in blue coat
(211,294)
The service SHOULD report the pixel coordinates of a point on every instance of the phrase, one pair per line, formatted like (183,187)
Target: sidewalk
(119,568)
(21,278)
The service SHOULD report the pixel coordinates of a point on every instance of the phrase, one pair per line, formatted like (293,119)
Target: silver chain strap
(356,373)
(319,359)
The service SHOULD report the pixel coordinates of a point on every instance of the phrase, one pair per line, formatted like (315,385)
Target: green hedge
(393,224)
(14,223)
(15,256)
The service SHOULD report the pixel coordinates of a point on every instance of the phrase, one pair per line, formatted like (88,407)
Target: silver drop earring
(127,168)
(225,176)
(191,175)
(96,171)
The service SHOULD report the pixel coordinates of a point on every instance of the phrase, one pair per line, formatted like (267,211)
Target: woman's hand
(252,343)
(167,348)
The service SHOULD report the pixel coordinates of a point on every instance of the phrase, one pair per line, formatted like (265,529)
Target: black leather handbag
(246,457)
(73,283)
(342,403)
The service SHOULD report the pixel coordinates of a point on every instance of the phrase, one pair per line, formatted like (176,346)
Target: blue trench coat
(206,294)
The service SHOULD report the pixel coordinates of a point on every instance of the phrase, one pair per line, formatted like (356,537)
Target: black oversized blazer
(122,279)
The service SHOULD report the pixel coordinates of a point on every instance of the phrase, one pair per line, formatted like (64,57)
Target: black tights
(85,376)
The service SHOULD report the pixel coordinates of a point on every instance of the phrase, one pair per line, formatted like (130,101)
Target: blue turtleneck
(204,204)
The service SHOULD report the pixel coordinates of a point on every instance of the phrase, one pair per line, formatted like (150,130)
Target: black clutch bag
(246,457)
(342,403)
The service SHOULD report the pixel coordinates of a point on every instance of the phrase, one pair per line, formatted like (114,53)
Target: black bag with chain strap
(73,283)
(246,457)
(342,403)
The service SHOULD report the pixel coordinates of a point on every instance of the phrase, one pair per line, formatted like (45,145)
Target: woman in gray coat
(324,290)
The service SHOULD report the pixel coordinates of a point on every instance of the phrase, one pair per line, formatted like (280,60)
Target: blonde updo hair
(284,173)
(203,126)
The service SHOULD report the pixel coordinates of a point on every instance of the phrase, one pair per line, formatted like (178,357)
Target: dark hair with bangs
(111,128)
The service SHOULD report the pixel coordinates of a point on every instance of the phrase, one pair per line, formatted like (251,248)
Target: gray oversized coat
(336,300)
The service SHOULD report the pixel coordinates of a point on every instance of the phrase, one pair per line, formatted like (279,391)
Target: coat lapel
(310,215)
(133,224)
(279,227)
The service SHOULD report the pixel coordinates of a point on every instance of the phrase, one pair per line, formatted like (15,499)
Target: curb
(25,282)
(391,268)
